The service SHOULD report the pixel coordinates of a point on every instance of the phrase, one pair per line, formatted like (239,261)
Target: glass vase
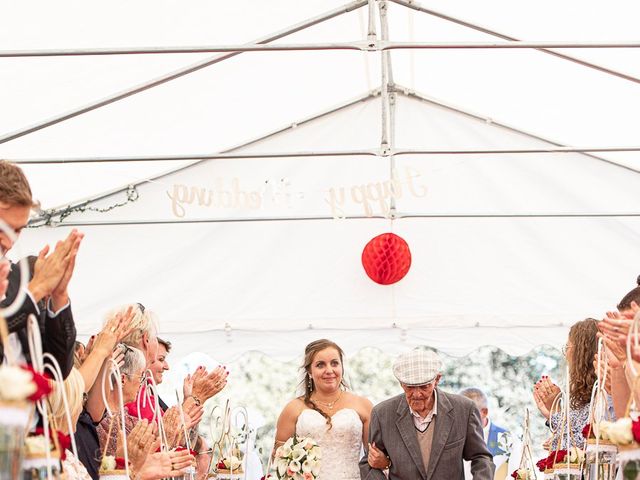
(606,456)
(629,463)
(567,472)
(14,420)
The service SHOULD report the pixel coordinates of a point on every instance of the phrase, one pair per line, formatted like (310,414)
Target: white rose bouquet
(298,459)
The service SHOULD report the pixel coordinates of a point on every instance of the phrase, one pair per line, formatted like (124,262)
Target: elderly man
(425,433)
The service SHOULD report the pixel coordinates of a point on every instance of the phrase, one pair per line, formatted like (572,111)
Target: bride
(335,418)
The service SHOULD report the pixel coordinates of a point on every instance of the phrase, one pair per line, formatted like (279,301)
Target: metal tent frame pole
(374,46)
(556,144)
(387,144)
(199,159)
(328,153)
(420,8)
(307,218)
(179,73)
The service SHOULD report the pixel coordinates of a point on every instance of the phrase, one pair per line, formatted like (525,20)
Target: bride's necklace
(329,405)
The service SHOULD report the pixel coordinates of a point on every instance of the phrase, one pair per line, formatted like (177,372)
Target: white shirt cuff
(51,312)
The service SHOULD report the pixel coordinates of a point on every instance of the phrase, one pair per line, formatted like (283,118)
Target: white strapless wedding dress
(341,446)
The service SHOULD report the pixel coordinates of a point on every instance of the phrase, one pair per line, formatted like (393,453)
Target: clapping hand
(52,272)
(114,330)
(165,465)
(142,441)
(544,393)
(616,325)
(206,385)
(5,267)
(193,414)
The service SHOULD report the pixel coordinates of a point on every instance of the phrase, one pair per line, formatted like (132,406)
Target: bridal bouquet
(298,459)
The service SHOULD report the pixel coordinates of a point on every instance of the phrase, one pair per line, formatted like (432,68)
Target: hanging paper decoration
(386,258)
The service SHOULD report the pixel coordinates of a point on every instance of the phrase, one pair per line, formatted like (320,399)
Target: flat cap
(417,367)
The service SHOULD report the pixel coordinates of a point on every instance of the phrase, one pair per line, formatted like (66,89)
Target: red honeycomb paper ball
(386,258)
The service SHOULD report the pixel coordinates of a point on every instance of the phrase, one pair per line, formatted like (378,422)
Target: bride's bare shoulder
(294,407)
(362,404)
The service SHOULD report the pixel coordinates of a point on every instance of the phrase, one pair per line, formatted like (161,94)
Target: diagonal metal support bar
(412,94)
(179,73)
(416,6)
(224,153)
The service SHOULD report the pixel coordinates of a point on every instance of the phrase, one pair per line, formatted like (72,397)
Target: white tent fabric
(245,253)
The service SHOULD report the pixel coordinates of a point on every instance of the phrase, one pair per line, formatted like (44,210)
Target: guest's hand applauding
(60,295)
(116,328)
(206,385)
(52,272)
(544,394)
(164,465)
(193,415)
(616,325)
(141,442)
(4,273)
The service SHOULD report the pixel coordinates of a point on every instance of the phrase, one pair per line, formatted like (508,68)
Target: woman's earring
(310,384)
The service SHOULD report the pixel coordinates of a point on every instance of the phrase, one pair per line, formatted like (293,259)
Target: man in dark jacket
(44,293)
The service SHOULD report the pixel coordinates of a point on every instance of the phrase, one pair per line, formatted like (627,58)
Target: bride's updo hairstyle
(307,380)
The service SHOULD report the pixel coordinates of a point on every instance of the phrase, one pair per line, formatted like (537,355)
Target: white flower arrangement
(576,455)
(231,463)
(298,459)
(16,384)
(618,432)
(108,463)
(36,445)
(522,474)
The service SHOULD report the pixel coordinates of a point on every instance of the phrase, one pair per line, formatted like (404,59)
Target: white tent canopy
(255,182)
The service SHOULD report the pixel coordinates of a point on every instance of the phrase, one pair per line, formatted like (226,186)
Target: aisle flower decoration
(622,432)
(522,474)
(22,383)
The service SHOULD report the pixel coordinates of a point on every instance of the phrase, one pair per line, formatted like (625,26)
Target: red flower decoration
(554,457)
(42,383)
(560,456)
(514,474)
(635,429)
(221,465)
(120,464)
(586,432)
(386,258)
(182,449)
